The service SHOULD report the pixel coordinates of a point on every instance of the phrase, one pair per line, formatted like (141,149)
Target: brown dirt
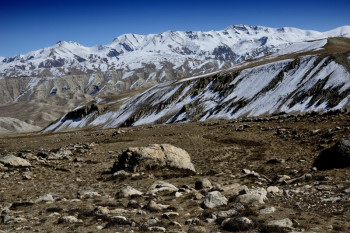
(226,146)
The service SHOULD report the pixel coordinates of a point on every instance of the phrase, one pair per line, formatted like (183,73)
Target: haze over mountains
(66,75)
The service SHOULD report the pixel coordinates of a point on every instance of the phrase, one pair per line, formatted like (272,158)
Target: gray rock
(152,221)
(62,153)
(202,183)
(237,224)
(281,223)
(134,204)
(234,189)
(45,198)
(197,229)
(214,199)
(257,196)
(100,210)
(268,210)
(161,186)
(14,161)
(127,191)
(69,219)
(155,156)
(155,207)
(86,194)
(226,214)
(120,173)
(169,215)
(273,190)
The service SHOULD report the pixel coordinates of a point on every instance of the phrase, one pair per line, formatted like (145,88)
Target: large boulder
(337,156)
(155,156)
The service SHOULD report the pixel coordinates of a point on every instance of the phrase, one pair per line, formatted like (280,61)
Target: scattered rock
(337,156)
(169,215)
(197,229)
(226,214)
(237,224)
(14,161)
(158,229)
(214,199)
(273,190)
(161,186)
(134,204)
(268,210)
(85,194)
(69,219)
(234,189)
(45,198)
(128,191)
(154,207)
(100,210)
(275,161)
(202,183)
(253,196)
(281,223)
(154,156)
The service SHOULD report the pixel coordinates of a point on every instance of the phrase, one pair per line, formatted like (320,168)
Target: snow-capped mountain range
(307,76)
(59,78)
(175,49)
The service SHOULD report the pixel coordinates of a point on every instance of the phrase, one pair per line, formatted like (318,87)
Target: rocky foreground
(273,174)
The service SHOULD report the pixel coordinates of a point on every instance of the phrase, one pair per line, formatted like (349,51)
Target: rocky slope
(315,77)
(251,176)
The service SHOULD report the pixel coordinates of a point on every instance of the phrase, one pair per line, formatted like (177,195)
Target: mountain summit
(184,50)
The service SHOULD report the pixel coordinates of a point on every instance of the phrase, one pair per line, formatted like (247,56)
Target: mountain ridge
(235,43)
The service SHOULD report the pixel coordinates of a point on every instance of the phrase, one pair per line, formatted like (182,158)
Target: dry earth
(317,202)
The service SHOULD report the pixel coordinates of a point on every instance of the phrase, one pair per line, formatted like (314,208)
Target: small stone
(281,223)
(203,183)
(178,194)
(214,199)
(100,210)
(273,189)
(134,204)
(254,196)
(152,221)
(69,219)
(86,194)
(237,224)
(120,173)
(154,207)
(268,210)
(45,198)
(226,214)
(128,191)
(197,229)
(169,215)
(99,227)
(161,186)
(275,161)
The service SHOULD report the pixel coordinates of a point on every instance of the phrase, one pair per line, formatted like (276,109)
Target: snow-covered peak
(131,51)
(343,31)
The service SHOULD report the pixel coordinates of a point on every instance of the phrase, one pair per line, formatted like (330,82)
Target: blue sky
(31,25)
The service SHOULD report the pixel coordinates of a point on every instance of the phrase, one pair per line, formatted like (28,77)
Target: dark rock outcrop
(337,156)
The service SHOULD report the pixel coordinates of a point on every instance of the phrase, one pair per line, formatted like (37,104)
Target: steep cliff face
(312,79)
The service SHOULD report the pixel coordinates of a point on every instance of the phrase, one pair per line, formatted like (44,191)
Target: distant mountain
(187,51)
(306,76)
(67,74)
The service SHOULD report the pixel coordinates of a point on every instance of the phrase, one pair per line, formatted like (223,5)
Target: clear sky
(30,25)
